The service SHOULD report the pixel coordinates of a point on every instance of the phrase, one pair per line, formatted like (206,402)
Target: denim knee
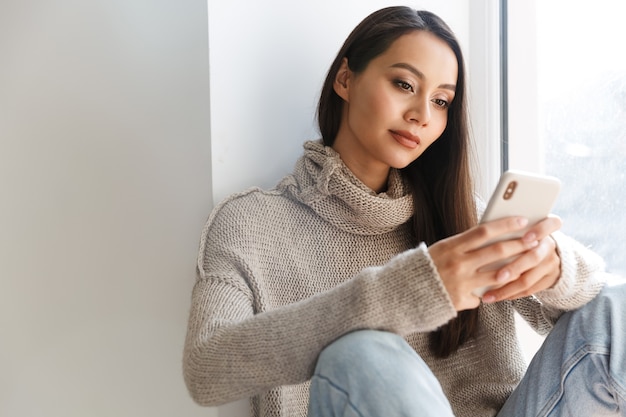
(360,347)
(375,373)
(606,312)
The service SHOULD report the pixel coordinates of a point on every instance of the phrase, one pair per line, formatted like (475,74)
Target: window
(567,112)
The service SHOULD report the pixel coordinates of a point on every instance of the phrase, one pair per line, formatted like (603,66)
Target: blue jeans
(579,371)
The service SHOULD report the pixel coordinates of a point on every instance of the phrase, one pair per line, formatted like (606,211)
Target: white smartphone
(520,193)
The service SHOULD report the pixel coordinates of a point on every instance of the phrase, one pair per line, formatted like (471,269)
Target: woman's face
(396,107)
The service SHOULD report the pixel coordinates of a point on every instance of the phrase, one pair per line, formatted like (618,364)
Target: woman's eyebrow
(419,74)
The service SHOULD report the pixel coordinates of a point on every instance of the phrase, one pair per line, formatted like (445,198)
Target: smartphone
(524,194)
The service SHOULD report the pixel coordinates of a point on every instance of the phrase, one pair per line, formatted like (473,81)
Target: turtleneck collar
(323,182)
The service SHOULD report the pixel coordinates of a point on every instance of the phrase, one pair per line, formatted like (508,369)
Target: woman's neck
(374,177)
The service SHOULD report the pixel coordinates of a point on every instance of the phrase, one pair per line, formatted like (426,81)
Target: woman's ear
(342,80)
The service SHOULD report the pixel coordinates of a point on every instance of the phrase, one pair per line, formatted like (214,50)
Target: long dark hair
(440,178)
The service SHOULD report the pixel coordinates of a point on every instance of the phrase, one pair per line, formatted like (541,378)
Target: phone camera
(510,189)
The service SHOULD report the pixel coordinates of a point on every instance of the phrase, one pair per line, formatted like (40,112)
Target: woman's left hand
(537,269)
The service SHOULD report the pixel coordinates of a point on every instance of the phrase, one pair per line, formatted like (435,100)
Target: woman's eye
(441,103)
(404,85)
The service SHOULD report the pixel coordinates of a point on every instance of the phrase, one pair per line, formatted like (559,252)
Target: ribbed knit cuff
(429,298)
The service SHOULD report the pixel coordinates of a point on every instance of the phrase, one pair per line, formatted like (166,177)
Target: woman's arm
(231,352)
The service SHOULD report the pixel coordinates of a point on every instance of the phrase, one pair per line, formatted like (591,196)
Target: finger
(543,228)
(541,277)
(528,260)
(541,284)
(496,255)
(511,289)
(487,232)
(523,286)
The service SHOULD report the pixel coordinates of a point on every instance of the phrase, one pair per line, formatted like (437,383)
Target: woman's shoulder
(248,196)
(251,209)
(247,201)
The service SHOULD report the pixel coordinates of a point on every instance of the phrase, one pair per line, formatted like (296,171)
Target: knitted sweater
(283,273)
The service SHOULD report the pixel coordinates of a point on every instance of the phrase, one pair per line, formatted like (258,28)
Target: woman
(348,289)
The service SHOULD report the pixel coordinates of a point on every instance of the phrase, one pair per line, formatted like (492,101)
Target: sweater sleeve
(582,278)
(232,351)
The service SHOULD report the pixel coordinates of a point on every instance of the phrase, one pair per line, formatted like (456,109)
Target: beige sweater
(283,273)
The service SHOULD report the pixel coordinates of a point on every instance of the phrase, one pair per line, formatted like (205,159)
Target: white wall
(104,187)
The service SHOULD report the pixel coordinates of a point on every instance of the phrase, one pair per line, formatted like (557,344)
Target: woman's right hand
(460,258)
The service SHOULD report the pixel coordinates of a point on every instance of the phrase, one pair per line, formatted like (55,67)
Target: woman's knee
(600,320)
(611,300)
(361,347)
(375,367)
(367,354)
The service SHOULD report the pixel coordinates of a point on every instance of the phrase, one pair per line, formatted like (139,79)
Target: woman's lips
(406,139)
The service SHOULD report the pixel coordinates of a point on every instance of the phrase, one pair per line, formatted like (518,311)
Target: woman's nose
(419,112)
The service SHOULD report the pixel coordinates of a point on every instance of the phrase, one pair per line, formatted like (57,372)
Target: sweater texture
(283,273)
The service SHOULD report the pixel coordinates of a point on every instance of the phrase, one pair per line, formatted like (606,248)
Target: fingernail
(503,276)
(533,243)
(522,221)
(489,299)
(529,237)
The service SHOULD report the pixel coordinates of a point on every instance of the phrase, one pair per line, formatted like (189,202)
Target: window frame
(485,91)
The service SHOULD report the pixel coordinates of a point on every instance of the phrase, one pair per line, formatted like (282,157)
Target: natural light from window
(581,96)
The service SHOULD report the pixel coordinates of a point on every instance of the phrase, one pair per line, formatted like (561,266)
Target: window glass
(581,90)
